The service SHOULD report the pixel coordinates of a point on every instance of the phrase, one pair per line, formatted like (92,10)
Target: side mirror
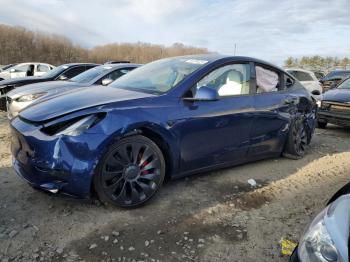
(205,93)
(106,81)
(62,77)
(12,70)
(316,93)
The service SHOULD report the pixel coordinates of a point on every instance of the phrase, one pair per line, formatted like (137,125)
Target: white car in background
(25,69)
(307,78)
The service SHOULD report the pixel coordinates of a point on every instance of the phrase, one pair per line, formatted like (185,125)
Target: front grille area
(334,107)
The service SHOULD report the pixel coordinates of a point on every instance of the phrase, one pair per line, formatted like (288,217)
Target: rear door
(273,105)
(217,132)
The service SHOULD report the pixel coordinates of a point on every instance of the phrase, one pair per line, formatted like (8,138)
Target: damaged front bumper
(58,164)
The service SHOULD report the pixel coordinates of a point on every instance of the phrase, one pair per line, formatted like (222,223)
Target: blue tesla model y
(167,119)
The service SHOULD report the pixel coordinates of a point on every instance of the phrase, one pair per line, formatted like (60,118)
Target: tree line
(317,62)
(18,44)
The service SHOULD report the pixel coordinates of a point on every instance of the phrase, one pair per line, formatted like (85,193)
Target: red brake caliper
(144,172)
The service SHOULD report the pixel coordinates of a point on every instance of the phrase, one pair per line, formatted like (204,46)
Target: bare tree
(20,45)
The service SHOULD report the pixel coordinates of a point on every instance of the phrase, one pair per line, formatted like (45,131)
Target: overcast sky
(267,29)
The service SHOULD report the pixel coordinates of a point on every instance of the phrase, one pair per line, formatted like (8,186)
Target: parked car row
(315,80)
(20,98)
(63,72)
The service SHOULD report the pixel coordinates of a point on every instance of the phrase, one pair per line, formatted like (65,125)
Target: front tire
(297,139)
(130,173)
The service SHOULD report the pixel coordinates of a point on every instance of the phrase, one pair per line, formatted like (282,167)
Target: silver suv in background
(307,78)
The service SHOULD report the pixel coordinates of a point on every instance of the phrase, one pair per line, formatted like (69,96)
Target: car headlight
(326,239)
(73,127)
(317,245)
(30,97)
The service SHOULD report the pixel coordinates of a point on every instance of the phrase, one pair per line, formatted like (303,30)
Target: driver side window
(228,80)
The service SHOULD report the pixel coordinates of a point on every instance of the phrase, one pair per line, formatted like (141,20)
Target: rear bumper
(333,118)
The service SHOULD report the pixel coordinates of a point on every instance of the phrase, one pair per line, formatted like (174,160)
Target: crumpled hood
(78,99)
(337,95)
(21,80)
(50,86)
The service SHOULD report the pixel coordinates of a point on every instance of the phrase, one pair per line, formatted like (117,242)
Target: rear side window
(301,76)
(74,71)
(43,68)
(267,80)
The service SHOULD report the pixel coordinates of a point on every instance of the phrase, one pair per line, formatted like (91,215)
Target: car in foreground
(63,72)
(307,78)
(167,119)
(24,96)
(25,69)
(327,237)
(332,79)
(335,106)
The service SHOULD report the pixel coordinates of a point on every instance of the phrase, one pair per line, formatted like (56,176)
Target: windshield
(160,76)
(338,74)
(345,84)
(56,71)
(90,74)
(7,67)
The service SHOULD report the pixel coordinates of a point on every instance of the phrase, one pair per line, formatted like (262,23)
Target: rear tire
(321,124)
(297,139)
(130,173)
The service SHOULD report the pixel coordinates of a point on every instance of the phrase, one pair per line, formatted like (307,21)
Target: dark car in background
(333,78)
(63,72)
(167,119)
(335,106)
(327,237)
(24,96)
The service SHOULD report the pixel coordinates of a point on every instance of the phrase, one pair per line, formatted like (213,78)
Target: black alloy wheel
(300,139)
(297,139)
(131,172)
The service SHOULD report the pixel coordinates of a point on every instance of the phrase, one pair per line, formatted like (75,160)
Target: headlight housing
(73,127)
(30,97)
(317,245)
(326,239)
(318,103)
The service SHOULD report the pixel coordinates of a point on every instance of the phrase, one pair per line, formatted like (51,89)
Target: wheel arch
(162,140)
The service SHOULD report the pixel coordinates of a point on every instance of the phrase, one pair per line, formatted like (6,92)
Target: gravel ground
(215,216)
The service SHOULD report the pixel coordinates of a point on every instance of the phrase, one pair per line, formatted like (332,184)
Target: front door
(217,132)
